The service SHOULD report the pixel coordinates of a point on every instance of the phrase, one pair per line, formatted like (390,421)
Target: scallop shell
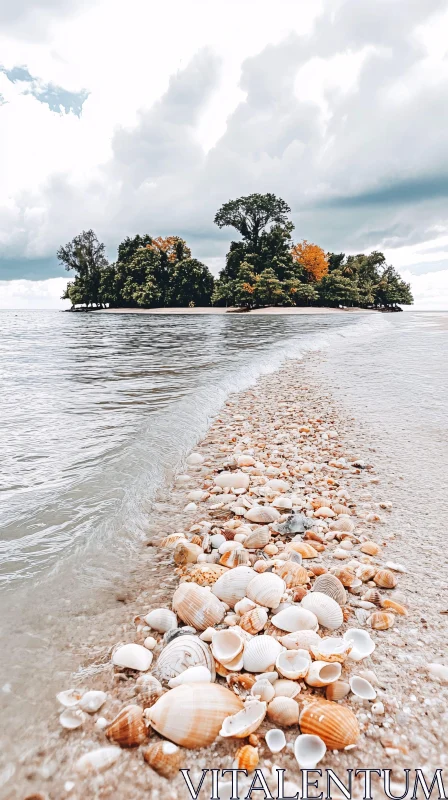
(197,606)
(192,715)
(262,514)
(246,757)
(205,574)
(197,674)
(232,480)
(331,650)
(346,576)
(132,656)
(283,711)
(226,646)
(72,718)
(92,701)
(257,539)
(293,574)
(232,586)
(161,620)
(362,644)
(336,725)
(331,585)
(362,688)
(244,722)
(327,610)
(295,618)
(263,689)
(309,750)
(260,653)
(293,664)
(304,549)
(266,589)
(385,579)
(300,640)
(171,541)
(286,688)
(165,758)
(235,558)
(149,690)
(97,760)
(371,548)
(128,729)
(275,740)
(381,620)
(254,621)
(337,690)
(186,553)
(321,673)
(182,653)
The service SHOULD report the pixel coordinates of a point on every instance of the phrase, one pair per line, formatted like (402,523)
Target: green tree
(244,286)
(87,257)
(251,215)
(335,289)
(268,289)
(191,283)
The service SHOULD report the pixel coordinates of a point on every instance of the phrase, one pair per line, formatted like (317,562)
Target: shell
(97,760)
(295,618)
(392,605)
(283,711)
(232,586)
(286,688)
(161,620)
(182,653)
(293,664)
(197,606)
(69,698)
(338,508)
(235,558)
(275,740)
(372,596)
(346,576)
(331,585)
(371,548)
(260,653)
(266,589)
(195,459)
(324,512)
(244,605)
(365,572)
(263,689)
(150,643)
(191,715)
(165,758)
(228,545)
(362,688)
(226,646)
(309,750)
(321,673)
(171,541)
(336,725)
(254,621)
(362,644)
(232,480)
(278,485)
(381,620)
(186,553)
(92,701)
(245,461)
(331,650)
(385,579)
(197,674)
(246,757)
(72,718)
(257,539)
(149,690)
(327,610)
(244,722)
(337,690)
(304,549)
(285,503)
(300,640)
(262,514)
(342,524)
(128,729)
(132,656)
(293,574)
(205,574)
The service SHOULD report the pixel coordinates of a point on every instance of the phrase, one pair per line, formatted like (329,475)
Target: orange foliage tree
(175,248)
(312,258)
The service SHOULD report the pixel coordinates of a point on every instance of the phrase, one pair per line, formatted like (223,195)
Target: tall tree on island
(87,257)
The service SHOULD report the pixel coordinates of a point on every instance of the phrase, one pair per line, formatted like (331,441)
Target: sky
(145,117)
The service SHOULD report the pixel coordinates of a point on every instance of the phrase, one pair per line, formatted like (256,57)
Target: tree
(128,247)
(86,256)
(312,259)
(244,286)
(252,214)
(335,289)
(173,247)
(191,283)
(268,289)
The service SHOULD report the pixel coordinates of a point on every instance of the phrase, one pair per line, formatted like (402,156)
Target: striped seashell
(244,722)
(171,541)
(385,579)
(247,758)
(180,654)
(336,725)
(338,508)
(293,574)
(327,610)
(161,620)
(381,620)
(331,585)
(304,549)
(283,687)
(337,690)
(128,729)
(235,558)
(283,711)
(257,539)
(342,524)
(300,640)
(392,605)
(232,586)
(266,589)
(260,653)
(370,548)
(253,621)
(197,606)
(262,514)
(165,758)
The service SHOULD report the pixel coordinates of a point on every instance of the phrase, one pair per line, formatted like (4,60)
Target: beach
(269,310)
(294,426)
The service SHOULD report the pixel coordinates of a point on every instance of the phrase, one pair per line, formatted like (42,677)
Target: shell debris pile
(283,594)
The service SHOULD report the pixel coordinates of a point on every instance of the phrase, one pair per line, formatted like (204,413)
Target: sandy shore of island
(215,310)
(295,429)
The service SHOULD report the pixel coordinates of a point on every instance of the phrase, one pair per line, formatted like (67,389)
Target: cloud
(31,16)
(55,97)
(20,294)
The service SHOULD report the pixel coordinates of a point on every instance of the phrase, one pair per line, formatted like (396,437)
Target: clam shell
(161,620)
(300,640)
(165,758)
(180,654)
(132,656)
(128,729)
(309,750)
(197,606)
(262,514)
(321,673)
(69,698)
(286,688)
(336,725)
(244,605)
(254,621)
(346,576)
(97,760)
(246,757)
(381,620)
(331,585)
(260,653)
(275,740)
(371,548)
(304,549)
(284,503)
(293,574)
(293,664)
(327,610)
(295,618)
(171,541)
(197,674)
(342,524)
(283,711)
(331,650)
(92,701)
(324,512)
(365,572)
(235,558)
(278,485)
(266,589)
(257,539)
(192,715)
(337,690)
(186,553)
(385,579)
(194,459)
(362,688)
(264,690)
(362,644)
(232,586)
(244,722)
(232,480)
(226,646)
(72,718)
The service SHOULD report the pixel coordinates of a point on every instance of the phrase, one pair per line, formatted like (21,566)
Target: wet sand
(255,311)
(267,419)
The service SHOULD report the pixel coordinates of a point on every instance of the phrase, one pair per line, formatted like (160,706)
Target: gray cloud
(31,15)
(55,97)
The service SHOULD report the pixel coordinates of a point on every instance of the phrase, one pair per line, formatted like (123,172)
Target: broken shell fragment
(264,690)
(362,644)
(92,701)
(331,650)
(165,758)
(132,656)
(309,750)
(128,729)
(97,760)
(244,722)
(226,646)
(362,688)
(336,725)
(72,718)
(300,640)
(275,740)
(292,573)
(69,698)
(293,664)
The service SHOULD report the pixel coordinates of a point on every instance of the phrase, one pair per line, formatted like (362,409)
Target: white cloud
(33,294)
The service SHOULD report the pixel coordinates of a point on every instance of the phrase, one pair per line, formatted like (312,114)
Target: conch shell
(128,729)
(336,725)
(165,758)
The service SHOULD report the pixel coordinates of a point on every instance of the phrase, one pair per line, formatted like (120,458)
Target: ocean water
(98,412)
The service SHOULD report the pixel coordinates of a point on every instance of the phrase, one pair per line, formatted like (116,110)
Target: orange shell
(246,757)
(381,620)
(128,729)
(386,579)
(292,573)
(306,550)
(369,547)
(336,725)
(392,605)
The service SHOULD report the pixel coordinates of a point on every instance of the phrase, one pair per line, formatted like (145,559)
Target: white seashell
(438,672)
(260,653)
(197,674)
(266,589)
(92,701)
(69,698)
(226,646)
(72,718)
(277,485)
(197,606)
(362,688)
(207,635)
(321,673)
(244,605)
(132,656)
(293,664)
(275,740)
(182,653)
(240,537)
(283,711)
(161,620)
(295,618)
(150,643)
(286,688)
(331,649)
(98,760)
(244,722)
(395,567)
(101,724)
(268,676)
(262,514)
(283,503)
(190,507)
(327,610)
(195,458)
(232,480)
(257,539)
(226,546)
(217,539)
(362,644)
(309,750)
(264,690)
(245,461)
(300,640)
(232,586)
(377,708)
(197,495)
